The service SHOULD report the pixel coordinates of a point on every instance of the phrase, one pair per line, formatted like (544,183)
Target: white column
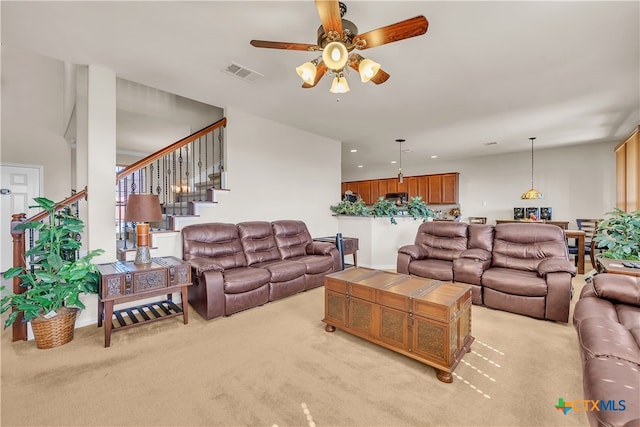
(101,161)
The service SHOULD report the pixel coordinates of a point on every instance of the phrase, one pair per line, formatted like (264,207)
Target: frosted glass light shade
(307,72)
(339,85)
(368,69)
(335,55)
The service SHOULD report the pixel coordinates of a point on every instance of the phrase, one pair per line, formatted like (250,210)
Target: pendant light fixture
(400,176)
(532,193)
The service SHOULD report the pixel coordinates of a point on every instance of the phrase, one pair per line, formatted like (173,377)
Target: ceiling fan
(338,38)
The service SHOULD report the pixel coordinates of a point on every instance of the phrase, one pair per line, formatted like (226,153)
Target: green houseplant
(55,277)
(384,207)
(417,208)
(347,207)
(619,235)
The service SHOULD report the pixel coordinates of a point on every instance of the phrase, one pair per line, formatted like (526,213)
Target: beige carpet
(276,366)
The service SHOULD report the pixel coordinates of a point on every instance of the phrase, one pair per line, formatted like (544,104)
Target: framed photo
(545,213)
(518,213)
(532,211)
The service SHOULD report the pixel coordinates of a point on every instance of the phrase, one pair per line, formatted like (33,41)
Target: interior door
(19,184)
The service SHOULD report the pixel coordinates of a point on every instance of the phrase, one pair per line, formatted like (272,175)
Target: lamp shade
(335,55)
(368,69)
(143,208)
(339,85)
(307,72)
(532,194)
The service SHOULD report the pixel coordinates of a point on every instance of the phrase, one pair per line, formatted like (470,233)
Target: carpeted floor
(276,366)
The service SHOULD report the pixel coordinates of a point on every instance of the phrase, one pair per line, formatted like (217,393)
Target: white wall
(32,118)
(577,182)
(278,172)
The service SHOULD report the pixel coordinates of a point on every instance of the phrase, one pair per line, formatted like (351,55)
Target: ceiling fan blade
(321,70)
(284,45)
(329,11)
(392,33)
(380,77)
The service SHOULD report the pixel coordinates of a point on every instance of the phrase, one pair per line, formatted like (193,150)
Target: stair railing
(186,171)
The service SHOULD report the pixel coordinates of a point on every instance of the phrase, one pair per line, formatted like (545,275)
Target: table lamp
(142,209)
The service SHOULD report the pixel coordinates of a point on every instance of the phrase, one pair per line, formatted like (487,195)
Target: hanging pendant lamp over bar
(400,176)
(532,193)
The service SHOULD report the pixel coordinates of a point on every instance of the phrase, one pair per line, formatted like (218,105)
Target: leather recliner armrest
(476,254)
(414,251)
(204,264)
(618,287)
(320,248)
(554,265)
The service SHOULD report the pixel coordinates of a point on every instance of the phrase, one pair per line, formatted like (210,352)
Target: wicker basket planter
(55,331)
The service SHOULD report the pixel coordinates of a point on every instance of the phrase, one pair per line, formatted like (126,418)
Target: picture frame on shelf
(532,211)
(545,213)
(518,213)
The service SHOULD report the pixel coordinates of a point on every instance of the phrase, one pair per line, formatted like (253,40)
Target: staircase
(185,172)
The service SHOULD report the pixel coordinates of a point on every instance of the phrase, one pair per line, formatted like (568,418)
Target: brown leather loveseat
(520,268)
(607,320)
(240,266)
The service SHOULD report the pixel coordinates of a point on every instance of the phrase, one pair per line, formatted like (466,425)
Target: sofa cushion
(292,238)
(524,246)
(432,268)
(618,288)
(480,237)
(606,379)
(258,242)
(316,264)
(214,240)
(244,279)
(283,271)
(602,337)
(443,240)
(516,282)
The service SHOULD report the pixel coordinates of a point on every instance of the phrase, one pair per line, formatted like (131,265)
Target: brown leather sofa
(607,320)
(240,266)
(520,268)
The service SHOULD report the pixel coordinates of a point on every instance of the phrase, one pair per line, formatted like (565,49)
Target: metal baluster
(221,150)
(200,168)
(173,191)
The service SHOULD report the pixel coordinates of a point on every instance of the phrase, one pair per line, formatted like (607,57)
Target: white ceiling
(504,71)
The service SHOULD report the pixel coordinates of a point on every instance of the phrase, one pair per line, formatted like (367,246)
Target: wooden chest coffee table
(427,320)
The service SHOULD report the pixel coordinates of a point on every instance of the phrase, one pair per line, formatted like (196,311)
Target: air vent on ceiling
(242,72)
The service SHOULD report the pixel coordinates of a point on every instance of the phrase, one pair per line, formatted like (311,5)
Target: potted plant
(384,207)
(619,235)
(347,207)
(54,279)
(418,209)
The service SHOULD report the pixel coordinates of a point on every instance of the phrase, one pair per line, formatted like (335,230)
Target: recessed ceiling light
(434,157)
(360,166)
(354,151)
(393,162)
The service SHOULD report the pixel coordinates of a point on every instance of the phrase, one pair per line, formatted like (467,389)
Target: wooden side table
(123,282)
(608,265)
(349,246)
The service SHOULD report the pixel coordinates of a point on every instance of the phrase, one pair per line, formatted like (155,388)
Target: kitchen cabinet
(628,172)
(436,189)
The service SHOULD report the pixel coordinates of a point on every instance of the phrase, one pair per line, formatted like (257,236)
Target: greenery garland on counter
(415,208)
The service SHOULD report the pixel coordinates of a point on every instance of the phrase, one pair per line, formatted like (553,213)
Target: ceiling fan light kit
(307,71)
(337,38)
(339,84)
(335,55)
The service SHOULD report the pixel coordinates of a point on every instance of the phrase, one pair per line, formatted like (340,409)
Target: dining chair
(589,226)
